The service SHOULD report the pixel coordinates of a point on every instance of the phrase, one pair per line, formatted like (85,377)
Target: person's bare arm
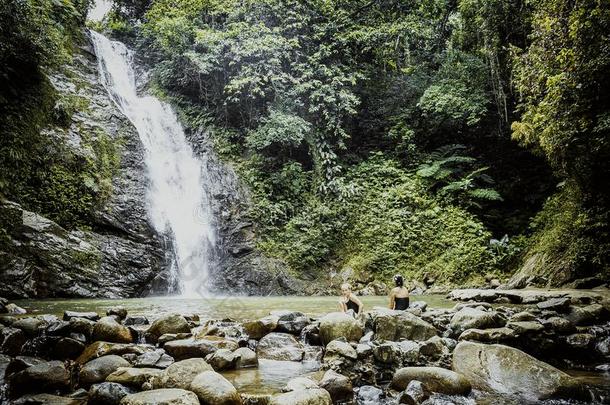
(342,307)
(392,299)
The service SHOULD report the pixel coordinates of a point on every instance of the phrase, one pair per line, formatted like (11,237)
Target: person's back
(399,296)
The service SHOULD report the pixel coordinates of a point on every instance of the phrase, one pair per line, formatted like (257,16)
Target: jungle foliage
(384,136)
(377,135)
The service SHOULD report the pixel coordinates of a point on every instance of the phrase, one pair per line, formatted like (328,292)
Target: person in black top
(399,296)
(349,301)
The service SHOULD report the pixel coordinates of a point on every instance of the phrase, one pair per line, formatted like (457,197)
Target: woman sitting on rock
(399,296)
(348,301)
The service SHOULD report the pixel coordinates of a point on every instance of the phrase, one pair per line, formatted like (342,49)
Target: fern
(454,177)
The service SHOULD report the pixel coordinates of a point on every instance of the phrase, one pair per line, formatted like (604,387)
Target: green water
(238,308)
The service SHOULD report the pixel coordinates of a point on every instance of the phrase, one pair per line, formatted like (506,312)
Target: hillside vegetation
(454,138)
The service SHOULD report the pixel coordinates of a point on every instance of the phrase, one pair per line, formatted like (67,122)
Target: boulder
(213,389)
(369,395)
(181,373)
(589,315)
(166,396)
(188,348)
(260,327)
(558,325)
(44,376)
(338,324)
(48,399)
(472,318)
(14,309)
(415,393)
(280,346)
(526,327)
(134,377)
(493,335)
(99,349)
(555,304)
(156,359)
(171,323)
(338,386)
(245,358)
(107,329)
(135,320)
(30,326)
(98,369)
(506,370)
(436,379)
(108,393)
(92,316)
(11,341)
(222,359)
(67,348)
(300,383)
(339,347)
(119,311)
(397,325)
(315,396)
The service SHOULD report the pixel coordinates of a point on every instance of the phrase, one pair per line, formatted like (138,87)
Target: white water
(176,197)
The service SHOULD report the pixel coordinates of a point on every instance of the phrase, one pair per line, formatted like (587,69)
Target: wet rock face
(121,256)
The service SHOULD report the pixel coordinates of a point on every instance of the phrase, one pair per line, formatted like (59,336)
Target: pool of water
(270,376)
(238,308)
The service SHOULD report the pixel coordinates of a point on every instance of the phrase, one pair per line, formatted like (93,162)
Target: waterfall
(177,201)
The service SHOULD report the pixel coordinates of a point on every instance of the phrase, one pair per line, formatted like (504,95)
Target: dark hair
(398,280)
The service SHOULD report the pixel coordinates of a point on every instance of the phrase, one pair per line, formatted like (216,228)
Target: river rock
(67,348)
(300,383)
(415,393)
(558,325)
(98,369)
(99,349)
(580,341)
(11,340)
(280,346)
(524,328)
(156,359)
(472,318)
(555,304)
(213,389)
(315,396)
(369,395)
(397,353)
(107,329)
(165,396)
(30,326)
(260,327)
(181,373)
(171,323)
(340,347)
(436,379)
(338,324)
(135,320)
(14,309)
(134,377)
(493,335)
(49,375)
(48,399)
(92,316)
(338,386)
(81,326)
(507,370)
(589,315)
(433,348)
(222,359)
(397,325)
(108,393)
(245,358)
(118,311)
(188,348)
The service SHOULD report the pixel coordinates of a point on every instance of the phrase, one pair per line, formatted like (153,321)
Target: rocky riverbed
(475,352)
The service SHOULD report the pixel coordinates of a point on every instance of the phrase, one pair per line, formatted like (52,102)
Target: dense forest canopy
(380,136)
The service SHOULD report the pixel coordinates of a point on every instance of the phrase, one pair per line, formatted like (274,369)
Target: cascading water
(177,201)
